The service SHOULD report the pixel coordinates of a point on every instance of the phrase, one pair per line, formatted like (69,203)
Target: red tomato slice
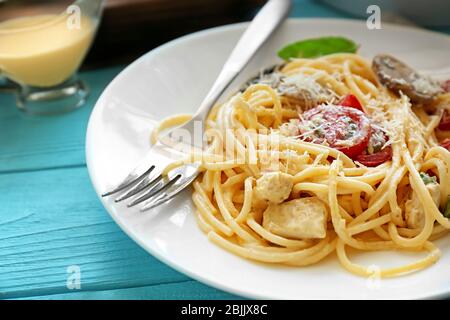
(351,101)
(444,124)
(345,129)
(373,160)
(446,144)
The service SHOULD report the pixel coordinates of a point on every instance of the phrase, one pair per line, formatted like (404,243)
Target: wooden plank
(37,142)
(52,219)
(189,289)
(315,9)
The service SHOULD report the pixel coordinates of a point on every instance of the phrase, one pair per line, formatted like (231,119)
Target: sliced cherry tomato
(446,144)
(373,160)
(444,124)
(345,129)
(351,101)
(446,85)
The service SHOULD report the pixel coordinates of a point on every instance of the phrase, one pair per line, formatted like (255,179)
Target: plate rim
(437,294)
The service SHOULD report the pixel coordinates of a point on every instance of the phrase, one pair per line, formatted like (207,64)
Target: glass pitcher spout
(92,8)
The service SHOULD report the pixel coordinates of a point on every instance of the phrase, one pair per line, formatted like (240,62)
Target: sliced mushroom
(269,76)
(397,76)
(304,96)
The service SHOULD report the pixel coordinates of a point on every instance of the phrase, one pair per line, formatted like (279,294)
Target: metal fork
(146,183)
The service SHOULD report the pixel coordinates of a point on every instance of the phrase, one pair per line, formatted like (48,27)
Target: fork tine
(148,182)
(154,191)
(169,193)
(163,198)
(134,176)
(156,201)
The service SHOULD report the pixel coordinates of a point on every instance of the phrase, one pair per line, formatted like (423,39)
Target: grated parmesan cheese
(425,85)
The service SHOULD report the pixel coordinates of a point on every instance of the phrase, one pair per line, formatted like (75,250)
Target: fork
(147,183)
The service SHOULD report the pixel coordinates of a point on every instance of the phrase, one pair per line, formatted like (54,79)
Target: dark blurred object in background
(132,27)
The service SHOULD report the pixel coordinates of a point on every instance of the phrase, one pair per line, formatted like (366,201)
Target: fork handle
(259,30)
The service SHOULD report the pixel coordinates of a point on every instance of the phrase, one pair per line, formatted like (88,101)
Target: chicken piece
(414,211)
(274,187)
(303,218)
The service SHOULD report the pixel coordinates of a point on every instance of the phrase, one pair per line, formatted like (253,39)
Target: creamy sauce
(41,50)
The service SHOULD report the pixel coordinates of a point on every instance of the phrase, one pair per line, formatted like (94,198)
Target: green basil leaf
(427,179)
(312,48)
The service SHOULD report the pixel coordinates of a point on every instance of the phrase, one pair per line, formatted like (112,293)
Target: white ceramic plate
(173,79)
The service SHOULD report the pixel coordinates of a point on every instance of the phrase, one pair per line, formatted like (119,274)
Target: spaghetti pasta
(367,207)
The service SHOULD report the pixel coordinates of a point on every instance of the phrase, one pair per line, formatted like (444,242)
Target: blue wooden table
(52,222)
